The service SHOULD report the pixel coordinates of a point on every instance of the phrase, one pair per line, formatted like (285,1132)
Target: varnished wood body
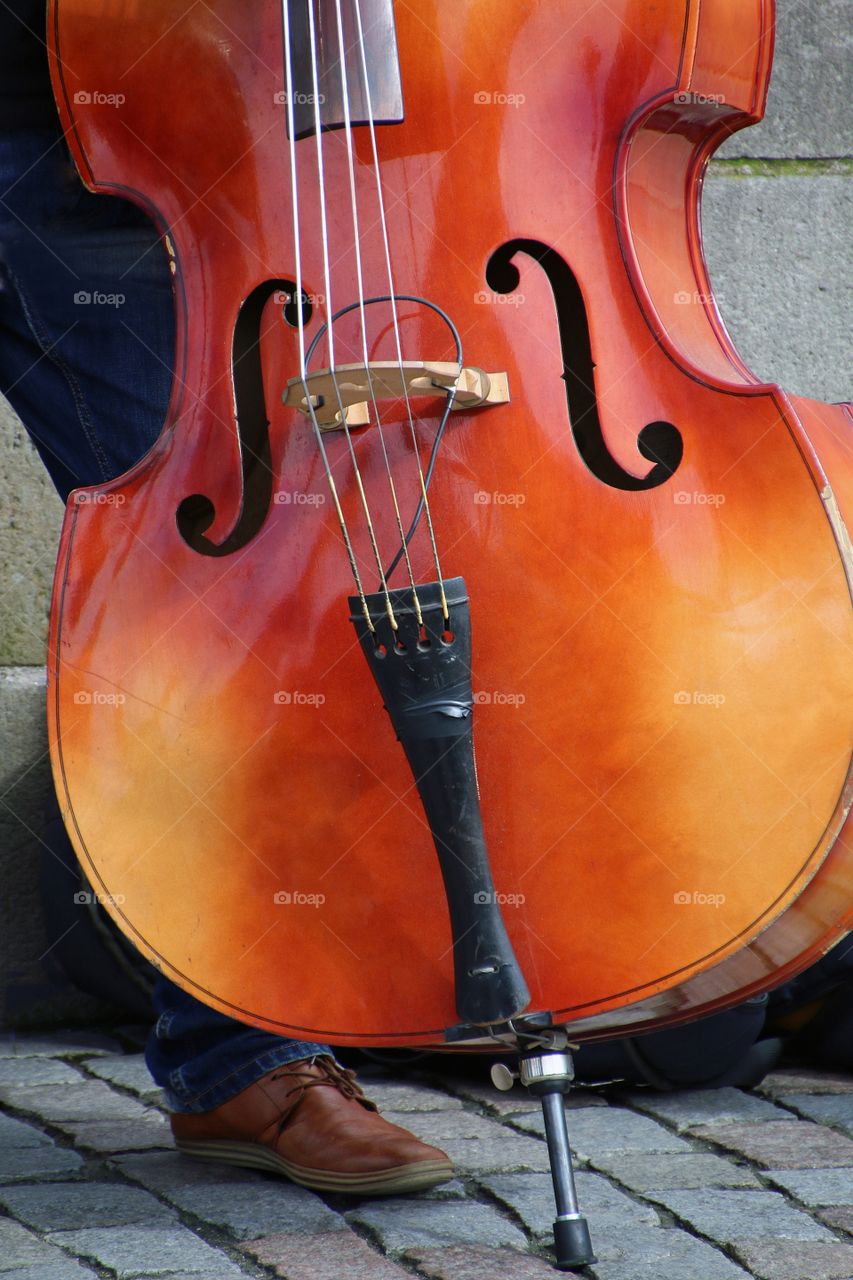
(665,674)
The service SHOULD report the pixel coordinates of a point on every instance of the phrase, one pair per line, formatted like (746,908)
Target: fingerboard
(385,100)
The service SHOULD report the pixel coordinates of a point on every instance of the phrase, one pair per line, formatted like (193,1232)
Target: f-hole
(660,442)
(196,513)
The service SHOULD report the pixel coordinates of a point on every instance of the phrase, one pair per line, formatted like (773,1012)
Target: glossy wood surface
(664,724)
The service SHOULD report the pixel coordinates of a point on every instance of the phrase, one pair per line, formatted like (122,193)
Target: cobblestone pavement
(708,1185)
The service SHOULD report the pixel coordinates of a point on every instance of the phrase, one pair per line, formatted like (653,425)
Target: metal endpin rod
(560,1155)
(548,1075)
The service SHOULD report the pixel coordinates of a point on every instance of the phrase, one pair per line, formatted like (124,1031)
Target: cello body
(655,543)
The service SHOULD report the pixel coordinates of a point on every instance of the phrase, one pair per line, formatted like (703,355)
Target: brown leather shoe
(310,1121)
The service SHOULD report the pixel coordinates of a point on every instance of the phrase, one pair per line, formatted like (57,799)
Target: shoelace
(334,1076)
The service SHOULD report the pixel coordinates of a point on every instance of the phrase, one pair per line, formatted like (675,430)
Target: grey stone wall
(777,225)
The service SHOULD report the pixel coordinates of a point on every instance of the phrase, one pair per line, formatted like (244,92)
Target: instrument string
(300,317)
(404,548)
(424,499)
(330,332)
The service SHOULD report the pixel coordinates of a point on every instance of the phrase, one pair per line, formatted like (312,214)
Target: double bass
(456,429)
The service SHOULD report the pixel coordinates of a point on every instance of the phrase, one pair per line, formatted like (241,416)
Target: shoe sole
(387,1182)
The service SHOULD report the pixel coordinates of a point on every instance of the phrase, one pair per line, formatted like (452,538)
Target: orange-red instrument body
(663,726)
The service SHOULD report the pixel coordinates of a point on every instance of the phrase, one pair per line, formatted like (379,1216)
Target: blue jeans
(86,345)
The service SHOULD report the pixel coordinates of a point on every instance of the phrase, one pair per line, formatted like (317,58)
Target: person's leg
(201,1058)
(86,344)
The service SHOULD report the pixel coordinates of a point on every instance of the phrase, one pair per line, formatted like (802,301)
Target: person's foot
(310,1121)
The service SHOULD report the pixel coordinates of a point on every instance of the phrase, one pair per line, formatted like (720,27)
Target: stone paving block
(464,1263)
(390,1095)
(517,1101)
(656,1253)
(805,1080)
(402,1224)
(817,1187)
(531,1197)
(17,1133)
(835,1110)
(840,1219)
(474,1142)
(342,1256)
(129,1071)
(67,1270)
(68,1206)
(690,1107)
(596,1130)
(436,1126)
(19,1164)
(261,1210)
(675,1171)
(778,1260)
(146,1133)
(20,1248)
(59,1044)
(728,1215)
(30,1071)
(166,1171)
(786,1144)
(134,1251)
(88,1100)
(779,262)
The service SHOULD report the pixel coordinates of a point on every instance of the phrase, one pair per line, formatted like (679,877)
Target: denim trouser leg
(86,346)
(201,1058)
